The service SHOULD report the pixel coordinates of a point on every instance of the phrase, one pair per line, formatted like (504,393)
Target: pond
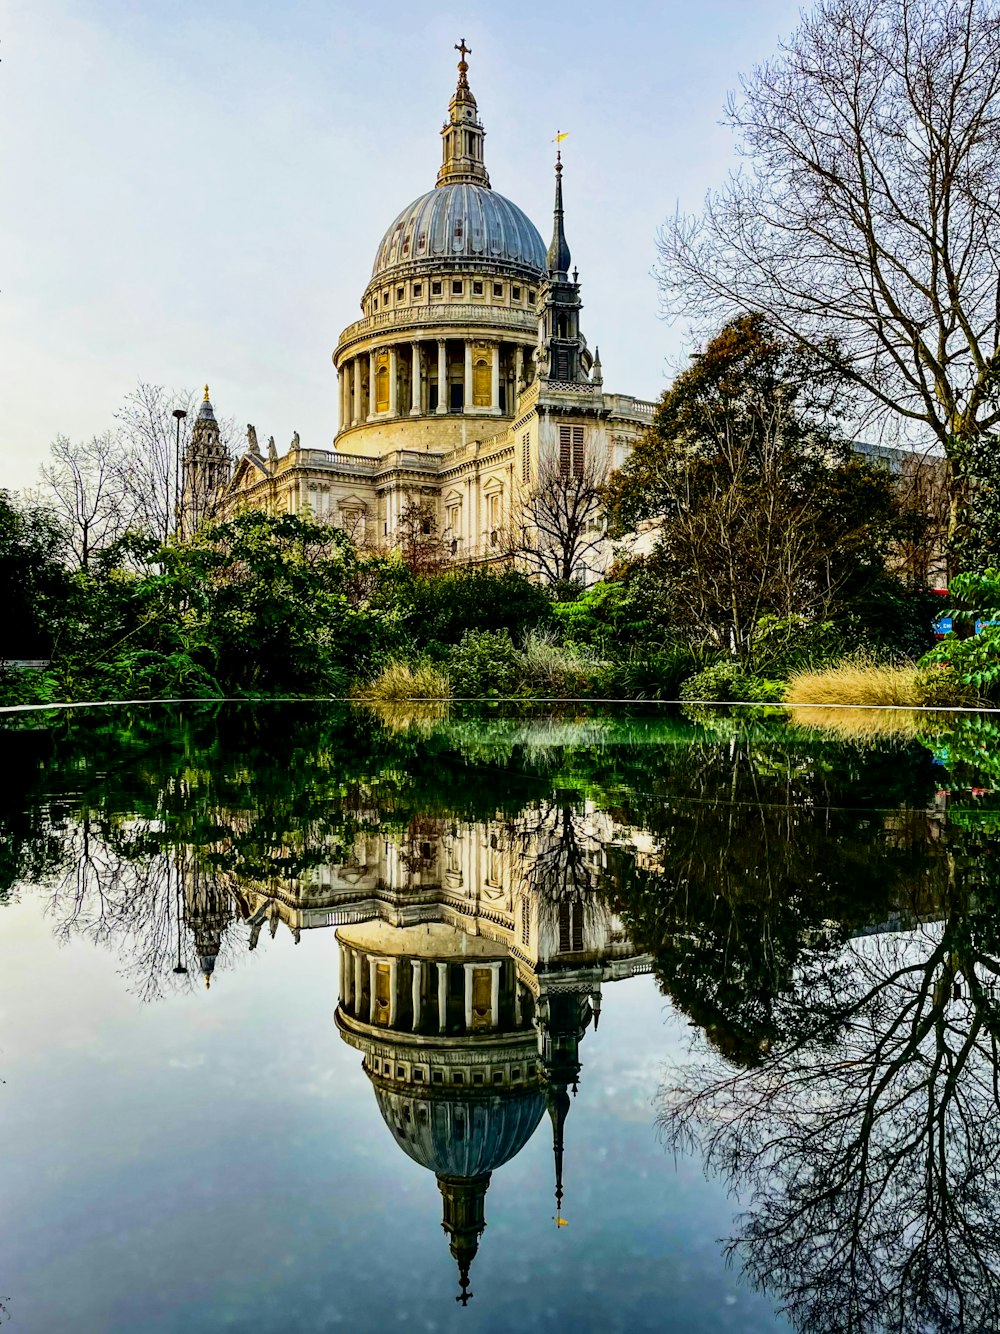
(316,1018)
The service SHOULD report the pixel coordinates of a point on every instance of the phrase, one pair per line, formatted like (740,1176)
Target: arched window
(382,389)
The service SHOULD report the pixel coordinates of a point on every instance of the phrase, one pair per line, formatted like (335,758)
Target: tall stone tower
(207,467)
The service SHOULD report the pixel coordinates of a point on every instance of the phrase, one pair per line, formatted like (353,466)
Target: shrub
(783,644)
(654,675)
(444,606)
(726,682)
(551,668)
(404,681)
(973,662)
(485,664)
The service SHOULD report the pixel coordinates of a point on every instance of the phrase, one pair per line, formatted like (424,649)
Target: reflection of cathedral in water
(472,959)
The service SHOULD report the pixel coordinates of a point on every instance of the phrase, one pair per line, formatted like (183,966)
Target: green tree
(32,575)
(763,509)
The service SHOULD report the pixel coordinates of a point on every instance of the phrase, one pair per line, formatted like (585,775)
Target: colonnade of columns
(373,988)
(427,377)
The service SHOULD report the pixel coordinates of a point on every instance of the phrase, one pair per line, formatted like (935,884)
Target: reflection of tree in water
(866,1133)
(763,857)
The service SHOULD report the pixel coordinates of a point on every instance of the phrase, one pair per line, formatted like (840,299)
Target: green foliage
(442,607)
(726,681)
(485,664)
(762,508)
(653,674)
(975,662)
(34,581)
(977,596)
(555,669)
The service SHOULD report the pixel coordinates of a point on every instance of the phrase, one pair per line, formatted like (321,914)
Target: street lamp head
(180,968)
(179,413)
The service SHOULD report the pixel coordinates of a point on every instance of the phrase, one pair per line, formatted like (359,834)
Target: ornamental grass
(400,681)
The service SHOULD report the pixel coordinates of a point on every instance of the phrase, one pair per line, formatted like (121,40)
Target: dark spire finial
(558,1111)
(558,256)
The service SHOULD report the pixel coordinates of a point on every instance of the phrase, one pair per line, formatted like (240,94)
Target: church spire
(463,134)
(558,1110)
(559,256)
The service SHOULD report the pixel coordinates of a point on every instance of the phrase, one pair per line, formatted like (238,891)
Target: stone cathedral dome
(462,221)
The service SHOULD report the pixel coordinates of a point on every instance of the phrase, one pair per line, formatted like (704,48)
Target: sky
(195,191)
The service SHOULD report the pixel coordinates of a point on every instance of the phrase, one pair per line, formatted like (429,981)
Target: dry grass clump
(421,717)
(859,683)
(401,681)
(871,724)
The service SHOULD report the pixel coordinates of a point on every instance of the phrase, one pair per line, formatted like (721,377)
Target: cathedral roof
(461,1137)
(462,221)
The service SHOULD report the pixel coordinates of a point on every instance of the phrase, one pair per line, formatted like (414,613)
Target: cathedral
(465,386)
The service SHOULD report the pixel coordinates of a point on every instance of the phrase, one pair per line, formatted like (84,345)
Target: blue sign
(942,626)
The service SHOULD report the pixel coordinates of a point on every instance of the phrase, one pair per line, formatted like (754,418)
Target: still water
(317,1019)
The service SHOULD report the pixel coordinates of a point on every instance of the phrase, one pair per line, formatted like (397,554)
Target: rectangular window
(418,289)
(385,297)
(498,289)
(400,292)
(477,289)
(454,519)
(515,293)
(456,286)
(570,928)
(570,451)
(435,289)
(374,303)
(531,298)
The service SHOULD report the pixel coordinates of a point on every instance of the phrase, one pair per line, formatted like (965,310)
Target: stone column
(418,977)
(495,994)
(468,997)
(393,974)
(518,368)
(416,381)
(442,996)
(495,377)
(356,410)
(442,406)
(371,994)
(371,386)
(467,392)
(358,983)
(517,998)
(345,980)
(393,382)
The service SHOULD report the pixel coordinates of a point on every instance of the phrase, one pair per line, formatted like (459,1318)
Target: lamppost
(179,967)
(179,415)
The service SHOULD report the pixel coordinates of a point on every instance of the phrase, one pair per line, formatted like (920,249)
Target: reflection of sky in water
(217,1162)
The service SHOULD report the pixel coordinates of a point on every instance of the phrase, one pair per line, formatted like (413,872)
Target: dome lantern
(463,133)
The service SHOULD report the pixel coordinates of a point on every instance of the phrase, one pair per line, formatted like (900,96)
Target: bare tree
(418,539)
(147,429)
(867,219)
(557,529)
(866,1141)
(84,487)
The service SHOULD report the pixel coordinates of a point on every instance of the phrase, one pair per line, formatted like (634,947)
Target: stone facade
(465,380)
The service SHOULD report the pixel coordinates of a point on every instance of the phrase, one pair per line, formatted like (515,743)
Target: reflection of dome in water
(458,1136)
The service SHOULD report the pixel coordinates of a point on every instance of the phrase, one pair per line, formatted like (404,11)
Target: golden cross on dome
(463,50)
